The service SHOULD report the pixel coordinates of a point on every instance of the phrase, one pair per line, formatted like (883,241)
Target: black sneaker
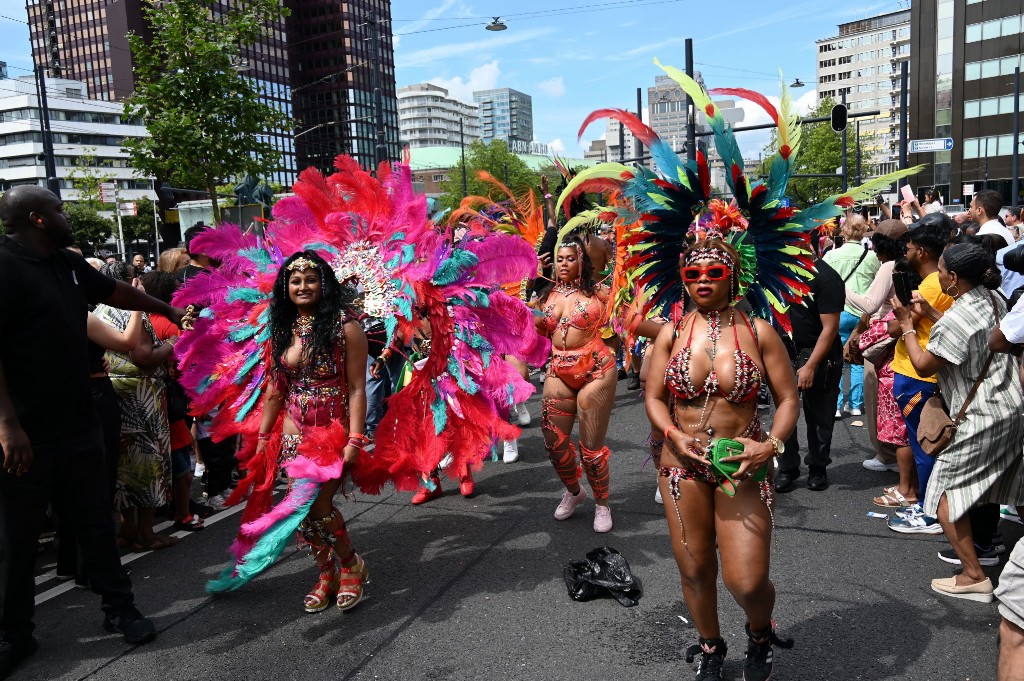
(634,382)
(131,624)
(14,653)
(987,557)
(760,658)
(712,657)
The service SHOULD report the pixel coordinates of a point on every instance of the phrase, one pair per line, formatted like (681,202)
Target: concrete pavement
(472,589)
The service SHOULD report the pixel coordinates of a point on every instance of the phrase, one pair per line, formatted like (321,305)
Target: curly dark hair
(587,283)
(887,248)
(160,285)
(119,270)
(328,316)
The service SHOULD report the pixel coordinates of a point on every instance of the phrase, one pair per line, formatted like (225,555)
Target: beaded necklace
(303,326)
(714,319)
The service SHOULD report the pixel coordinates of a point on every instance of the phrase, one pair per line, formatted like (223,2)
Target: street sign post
(968,189)
(932,145)
(127,209)
(108,190)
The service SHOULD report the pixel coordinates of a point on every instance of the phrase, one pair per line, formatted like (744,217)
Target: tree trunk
(211,187)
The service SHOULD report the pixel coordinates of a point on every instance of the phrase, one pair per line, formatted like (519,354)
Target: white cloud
(751,143)
(553,87)
(483,77)
(426,19)
(433,55)
(557,146)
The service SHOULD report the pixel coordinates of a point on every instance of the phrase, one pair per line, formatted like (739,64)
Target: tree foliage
(91,229)
(494,158)
(139,226)
(85,178)
(821,151)
(206,122)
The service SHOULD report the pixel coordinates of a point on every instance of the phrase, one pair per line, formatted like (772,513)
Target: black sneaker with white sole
(712,657)
(760,659)
(986,557)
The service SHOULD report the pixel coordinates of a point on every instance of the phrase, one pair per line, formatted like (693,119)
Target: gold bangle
(907,333)
(778,445)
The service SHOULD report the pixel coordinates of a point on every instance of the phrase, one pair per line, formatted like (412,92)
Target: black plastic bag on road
(604,571)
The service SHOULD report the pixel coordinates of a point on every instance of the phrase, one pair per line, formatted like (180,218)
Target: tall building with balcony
(429,117)
(862,64)
(88,138)
(964,55)
(505,114)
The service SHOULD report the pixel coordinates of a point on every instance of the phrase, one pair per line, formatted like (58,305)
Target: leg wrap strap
(565,464)
(595,465)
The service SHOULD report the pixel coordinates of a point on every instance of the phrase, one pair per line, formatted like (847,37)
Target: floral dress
(891,426)
(144,463)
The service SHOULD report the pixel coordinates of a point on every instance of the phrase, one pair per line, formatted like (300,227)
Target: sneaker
(839,415)
(217,502)
(1010,513)
(856,412)
(13,654)
(634,382)
(200,469)
(511,453)
(760,658)
(602,519)
(657,496)
(873,464)
(523,414)
(987,557)
(997,543)
(980,592)
(131,624)
(712,657)
(918,524)
(909,511)
(569,503)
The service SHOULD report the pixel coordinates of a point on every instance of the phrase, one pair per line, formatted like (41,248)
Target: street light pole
(857,178)
(985,185)
(637,145)
(462,145)
(691,113)
(904,113)
(380,149)
(845,183)
(1015,188)
(49,161)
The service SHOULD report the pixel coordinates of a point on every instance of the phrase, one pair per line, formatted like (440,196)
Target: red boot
(426,494)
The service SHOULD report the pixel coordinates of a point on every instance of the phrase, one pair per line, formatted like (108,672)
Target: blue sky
(574,56)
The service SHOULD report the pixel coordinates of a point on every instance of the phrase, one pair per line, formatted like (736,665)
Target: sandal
(892,499)
(190,523)
(326,585)
(158,542)
(351,584)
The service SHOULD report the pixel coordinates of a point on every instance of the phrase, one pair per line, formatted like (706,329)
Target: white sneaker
(602,519)
(523,414)
(511,454)
(657,495)
(839,414)
(217,502)
(569,503)
(874,464)
(856,412)
(200,469)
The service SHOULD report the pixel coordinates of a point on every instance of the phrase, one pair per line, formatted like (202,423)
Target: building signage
(932,145)
(521,147)
(108,191)
(127,209)
(968,189)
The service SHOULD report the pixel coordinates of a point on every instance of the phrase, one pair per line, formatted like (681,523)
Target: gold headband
(302,263)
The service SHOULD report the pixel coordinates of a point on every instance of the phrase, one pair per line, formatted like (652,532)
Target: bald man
(50,437)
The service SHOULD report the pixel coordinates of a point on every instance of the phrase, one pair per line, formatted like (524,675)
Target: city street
(473,589)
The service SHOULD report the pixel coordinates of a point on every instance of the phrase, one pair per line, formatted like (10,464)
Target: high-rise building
(862,65)
(320,68)
(964,55)
(505,114)
(429,117)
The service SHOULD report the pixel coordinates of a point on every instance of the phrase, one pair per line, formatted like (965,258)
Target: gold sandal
(351,584)
(326,586)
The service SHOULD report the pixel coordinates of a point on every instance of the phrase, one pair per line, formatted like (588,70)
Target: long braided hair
(328,317)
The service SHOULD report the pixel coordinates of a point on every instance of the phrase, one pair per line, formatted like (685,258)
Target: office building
(964,55)
(862,65)
(82,128)
(505,114)
(429,117)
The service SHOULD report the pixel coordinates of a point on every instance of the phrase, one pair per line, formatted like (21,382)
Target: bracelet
(358,440)
(263,437)
(668,430)
(907,333)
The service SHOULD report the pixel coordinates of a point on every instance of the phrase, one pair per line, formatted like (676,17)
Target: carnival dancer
(708,364)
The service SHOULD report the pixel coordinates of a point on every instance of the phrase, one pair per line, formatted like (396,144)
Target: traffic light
(839,113)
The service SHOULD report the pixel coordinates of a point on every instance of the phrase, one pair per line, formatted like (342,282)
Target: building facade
(862,65)
(964,54)
(88,135)
(505,114)
(429,117)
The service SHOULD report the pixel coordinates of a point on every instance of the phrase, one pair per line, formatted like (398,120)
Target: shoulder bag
(936,430)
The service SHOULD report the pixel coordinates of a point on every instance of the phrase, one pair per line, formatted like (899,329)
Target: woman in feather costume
(695,256)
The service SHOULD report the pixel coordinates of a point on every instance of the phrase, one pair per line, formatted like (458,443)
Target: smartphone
(879,199)
(901,284)
(908,193)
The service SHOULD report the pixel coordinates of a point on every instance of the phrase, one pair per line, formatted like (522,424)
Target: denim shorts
(182,462)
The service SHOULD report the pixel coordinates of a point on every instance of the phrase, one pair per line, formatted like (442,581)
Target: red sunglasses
(692,273)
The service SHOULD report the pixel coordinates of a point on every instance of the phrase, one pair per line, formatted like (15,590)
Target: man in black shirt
(819,360)
(49,433)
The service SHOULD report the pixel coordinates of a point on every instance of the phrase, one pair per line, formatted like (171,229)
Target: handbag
(879,353)
(936,430)
(851,350)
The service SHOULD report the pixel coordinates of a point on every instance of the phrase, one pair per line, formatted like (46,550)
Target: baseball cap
(937,219)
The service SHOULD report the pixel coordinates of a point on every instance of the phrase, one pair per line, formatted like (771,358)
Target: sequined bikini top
(748,375)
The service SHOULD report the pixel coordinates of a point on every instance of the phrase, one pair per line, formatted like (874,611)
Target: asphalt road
(472,589)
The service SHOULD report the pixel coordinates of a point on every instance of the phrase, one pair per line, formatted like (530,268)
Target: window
(990,106)
(972,108)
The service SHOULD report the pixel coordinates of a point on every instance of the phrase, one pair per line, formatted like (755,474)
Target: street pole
(845,184)
(156,223)
(985,185)
(857,178)
(1015,189)
(904,113)
(462,145)
(380,149)
(691,114)
(637,145)
(622,142)
(505,164)
(49,161)
(120,229)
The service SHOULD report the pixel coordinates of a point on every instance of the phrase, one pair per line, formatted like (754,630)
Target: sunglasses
(692,273)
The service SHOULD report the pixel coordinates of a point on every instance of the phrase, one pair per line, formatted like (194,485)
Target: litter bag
(604,571)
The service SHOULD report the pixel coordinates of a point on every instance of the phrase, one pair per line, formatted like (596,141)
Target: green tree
(91,229)
(205,119)
(821,151)
(85,178)
(139,226)
(493,158)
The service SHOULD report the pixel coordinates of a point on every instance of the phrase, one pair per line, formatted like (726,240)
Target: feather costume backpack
(373,231)
(676,205)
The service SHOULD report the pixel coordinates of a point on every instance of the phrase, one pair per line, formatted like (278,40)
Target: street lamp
(496,25)
(797,83)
